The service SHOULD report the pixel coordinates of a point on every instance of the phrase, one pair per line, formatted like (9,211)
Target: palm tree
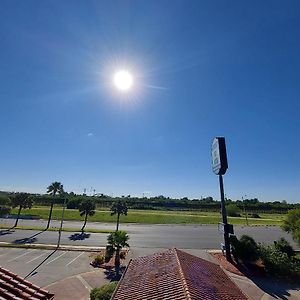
(116,241)
(23,200)
(119,208)
(87,208)
(53,189)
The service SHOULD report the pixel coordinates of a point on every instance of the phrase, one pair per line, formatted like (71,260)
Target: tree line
(155,203)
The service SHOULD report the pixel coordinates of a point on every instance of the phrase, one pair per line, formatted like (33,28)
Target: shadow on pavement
(6,231)
(34,271)
(275,288)
(29,240)
(79,236)
(111,275)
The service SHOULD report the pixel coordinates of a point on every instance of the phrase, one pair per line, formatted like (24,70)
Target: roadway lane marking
(22,255)
(35,258)
(49,262)
(74,258)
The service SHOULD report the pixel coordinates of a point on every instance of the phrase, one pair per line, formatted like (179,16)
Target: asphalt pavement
(142,235)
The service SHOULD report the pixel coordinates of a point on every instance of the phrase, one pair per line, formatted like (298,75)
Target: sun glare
(123,80)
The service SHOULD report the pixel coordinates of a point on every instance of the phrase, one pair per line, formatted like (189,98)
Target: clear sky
(200,69)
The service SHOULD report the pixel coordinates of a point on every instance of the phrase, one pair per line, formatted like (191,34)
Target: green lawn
(154,217)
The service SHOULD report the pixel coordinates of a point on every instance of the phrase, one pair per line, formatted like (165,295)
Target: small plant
(98,260)
(122,254)
(103,293)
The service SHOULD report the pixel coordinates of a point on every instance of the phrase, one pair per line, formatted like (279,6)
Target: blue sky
(201,69)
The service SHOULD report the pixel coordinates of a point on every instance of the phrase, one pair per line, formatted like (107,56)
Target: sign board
(229,227)
(219,156)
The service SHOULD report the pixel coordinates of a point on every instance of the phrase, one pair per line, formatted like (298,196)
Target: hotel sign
(219,156)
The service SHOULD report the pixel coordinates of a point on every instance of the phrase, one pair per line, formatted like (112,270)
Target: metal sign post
(220,165)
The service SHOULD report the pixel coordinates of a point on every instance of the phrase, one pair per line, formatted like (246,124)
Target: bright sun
(123,80)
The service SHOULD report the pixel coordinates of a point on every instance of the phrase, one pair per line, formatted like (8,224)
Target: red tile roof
(15,287)
(175,275)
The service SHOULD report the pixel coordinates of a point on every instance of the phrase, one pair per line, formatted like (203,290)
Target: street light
(245,213)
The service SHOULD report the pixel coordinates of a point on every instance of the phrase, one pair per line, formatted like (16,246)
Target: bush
(233,210)
(254,215)
(104,292)
(98,260)
(278,263)
(283,246)
(244,249)
(122,254)
(4,210)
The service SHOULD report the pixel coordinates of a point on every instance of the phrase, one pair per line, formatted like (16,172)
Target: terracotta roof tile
(175,275)
(15,287)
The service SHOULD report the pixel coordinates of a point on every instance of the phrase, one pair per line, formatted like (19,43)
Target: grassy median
(155,217)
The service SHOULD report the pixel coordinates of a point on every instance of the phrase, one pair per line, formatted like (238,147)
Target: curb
(52,247)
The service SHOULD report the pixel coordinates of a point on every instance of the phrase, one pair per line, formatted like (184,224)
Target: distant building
(175,275)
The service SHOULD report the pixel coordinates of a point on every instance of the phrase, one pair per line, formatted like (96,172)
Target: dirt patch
(242,269)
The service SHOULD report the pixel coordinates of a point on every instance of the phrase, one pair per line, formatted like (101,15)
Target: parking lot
(44,267)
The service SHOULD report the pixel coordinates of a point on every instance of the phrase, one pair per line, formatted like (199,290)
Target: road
(145,235)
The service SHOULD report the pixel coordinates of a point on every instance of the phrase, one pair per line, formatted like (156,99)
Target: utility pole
(245,212)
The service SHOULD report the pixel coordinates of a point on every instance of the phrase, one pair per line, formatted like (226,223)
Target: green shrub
(254,215)
(278,263)
(233,210)
(104,292)
(98,260)
(283,245)
(4,210)
(244,249)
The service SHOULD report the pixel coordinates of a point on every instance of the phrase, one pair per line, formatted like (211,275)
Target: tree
(119,208)
(292,224)
(86,208)
(116,241)
(233,210)
(23,200)
(53,189)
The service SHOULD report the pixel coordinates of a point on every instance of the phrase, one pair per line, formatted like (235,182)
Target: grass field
(155,217)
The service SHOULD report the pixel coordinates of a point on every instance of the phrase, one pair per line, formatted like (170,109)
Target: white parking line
(27,252)
(3,253)
(56,258)
(35,258)
(74,259)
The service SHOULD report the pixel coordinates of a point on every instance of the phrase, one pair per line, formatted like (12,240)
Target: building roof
(175,275)
(15,287)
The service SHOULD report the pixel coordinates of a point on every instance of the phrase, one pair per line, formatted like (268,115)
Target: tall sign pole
(220,166)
